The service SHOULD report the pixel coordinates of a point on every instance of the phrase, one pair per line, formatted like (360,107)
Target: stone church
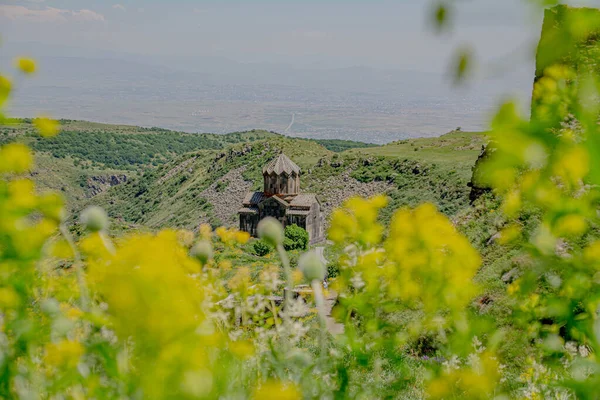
(281,198)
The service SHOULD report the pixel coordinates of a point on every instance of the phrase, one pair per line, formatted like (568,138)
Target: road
(291,123)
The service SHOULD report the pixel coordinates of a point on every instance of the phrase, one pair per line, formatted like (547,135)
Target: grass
(452,151)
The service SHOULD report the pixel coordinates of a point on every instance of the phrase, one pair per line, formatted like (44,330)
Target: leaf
(462,65)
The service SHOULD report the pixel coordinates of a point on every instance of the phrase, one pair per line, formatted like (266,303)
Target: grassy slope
(173,194)
(86,149)
(435,170)
(452,151)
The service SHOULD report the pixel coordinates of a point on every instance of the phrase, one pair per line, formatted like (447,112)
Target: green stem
(78,266)
(320,302)
(274,311)
(288,274)
(108,244)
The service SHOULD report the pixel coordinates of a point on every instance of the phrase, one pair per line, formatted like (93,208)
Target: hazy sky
(321,33)
(199,36)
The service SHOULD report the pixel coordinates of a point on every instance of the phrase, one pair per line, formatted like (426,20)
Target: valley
(155,178)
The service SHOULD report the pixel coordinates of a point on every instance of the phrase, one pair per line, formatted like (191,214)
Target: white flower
(357,281)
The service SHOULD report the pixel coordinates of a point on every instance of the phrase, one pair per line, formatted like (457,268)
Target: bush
(333,270)
(296,238)
(261,248)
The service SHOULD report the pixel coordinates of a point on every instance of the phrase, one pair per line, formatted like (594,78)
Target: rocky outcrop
(99,184)
(176,169)
(478,188)
(340,188)
(226,194)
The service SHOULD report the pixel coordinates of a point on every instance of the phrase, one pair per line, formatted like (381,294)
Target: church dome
(280,165)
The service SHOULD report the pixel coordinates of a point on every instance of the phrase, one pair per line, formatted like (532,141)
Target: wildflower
(512,203)
(509,234)
(570,225)
(241,281)
(242,237)
(66,353)
(271,231)
(202,251)
(5,88)
(94,219)
(242,349)
(197,383)
(205,231)
(15,158)
(47,127)
(311,266)
(185,237)
(274,390)
(26,65)
(8,298)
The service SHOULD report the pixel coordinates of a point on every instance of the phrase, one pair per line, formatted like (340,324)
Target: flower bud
(311,266)
(271,231)
(202,251)
(94,219)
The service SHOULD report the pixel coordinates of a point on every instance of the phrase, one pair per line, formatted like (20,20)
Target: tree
(296,238)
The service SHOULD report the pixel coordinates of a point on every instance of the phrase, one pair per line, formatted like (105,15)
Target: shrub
(333,270)
(296,238)
(261,248)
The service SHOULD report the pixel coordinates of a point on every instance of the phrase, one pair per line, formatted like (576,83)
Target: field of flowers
(160,315)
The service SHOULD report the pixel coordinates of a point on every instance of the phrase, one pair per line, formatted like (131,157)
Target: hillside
(158,178)
(207,186)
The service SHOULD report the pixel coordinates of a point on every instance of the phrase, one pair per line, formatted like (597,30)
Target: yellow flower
(573,165)
(570,225)
(47,127)
(66,353)
(26,65)
(15,157)
(242,237)
(242,349)
(274,390)
(205,231)
(241,280)
(185,237)
(297,276)
(225,265)
(512,203)
(5,88)
(509,234)
(61,249)
(8,298)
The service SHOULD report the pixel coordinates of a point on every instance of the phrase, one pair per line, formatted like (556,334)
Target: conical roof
(281,164)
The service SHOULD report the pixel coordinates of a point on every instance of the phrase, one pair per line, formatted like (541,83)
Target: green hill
(156,178)
(208,186)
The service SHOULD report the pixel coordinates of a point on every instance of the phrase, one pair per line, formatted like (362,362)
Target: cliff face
(99,184)
(570,37)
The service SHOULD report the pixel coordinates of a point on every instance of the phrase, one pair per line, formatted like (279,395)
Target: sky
(314,33)
(202,36)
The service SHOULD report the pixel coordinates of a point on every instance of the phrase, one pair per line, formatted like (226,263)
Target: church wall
(249,223)
(281,184)
(272,208)
(299,220)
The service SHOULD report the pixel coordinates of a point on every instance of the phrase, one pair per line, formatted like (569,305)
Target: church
(281,199)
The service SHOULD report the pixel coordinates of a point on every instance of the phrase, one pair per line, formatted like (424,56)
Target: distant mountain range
(211,94)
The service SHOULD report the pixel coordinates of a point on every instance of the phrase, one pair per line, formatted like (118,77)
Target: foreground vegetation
(200,314)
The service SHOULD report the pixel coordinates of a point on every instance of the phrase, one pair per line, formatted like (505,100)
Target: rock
(510,276)
(99,184)
(562,249)
(493,239)
(226,201)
